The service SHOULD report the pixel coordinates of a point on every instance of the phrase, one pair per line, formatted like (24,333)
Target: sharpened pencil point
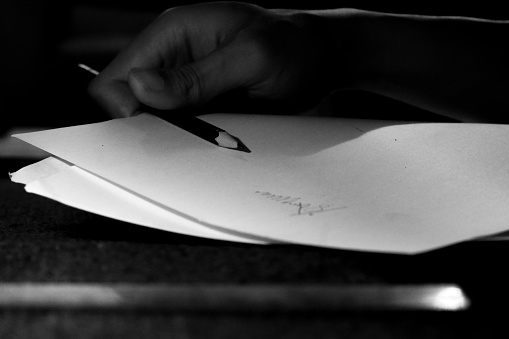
(242,147)
(229,141)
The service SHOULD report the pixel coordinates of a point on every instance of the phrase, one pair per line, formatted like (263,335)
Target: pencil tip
(227,140)
(242,147)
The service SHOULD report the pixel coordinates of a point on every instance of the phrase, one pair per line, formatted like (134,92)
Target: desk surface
(45,241)
(42,240)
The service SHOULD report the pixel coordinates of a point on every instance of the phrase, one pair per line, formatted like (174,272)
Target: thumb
(166,89)
(188,85)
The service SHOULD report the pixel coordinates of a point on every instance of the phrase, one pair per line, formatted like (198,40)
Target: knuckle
(99,92)
(187,84)
(94,89)
(108,96)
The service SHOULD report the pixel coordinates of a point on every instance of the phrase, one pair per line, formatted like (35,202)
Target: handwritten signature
(302,207)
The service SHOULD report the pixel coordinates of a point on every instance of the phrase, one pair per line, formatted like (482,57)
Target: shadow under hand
(283,130)
(276,135)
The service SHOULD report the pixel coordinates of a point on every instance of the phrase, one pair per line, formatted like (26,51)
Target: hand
(192,54)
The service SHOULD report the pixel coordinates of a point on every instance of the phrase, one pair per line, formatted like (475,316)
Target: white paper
(341,183)
(39,170)
(75,187)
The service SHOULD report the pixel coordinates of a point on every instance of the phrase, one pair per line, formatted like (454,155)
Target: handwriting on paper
(302,208)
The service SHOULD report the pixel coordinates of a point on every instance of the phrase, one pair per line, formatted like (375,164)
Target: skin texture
(453,66)
(191,54)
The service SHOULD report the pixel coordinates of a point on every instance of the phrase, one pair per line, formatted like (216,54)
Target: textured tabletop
(44,241)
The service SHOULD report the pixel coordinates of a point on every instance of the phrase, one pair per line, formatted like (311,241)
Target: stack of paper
(340,183)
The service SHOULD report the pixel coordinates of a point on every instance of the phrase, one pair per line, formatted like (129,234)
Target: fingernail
(149,78)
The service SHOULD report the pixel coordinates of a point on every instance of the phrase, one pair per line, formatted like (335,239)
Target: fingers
(189,56)
(227,68)
(177,37)
(114,97)
(149,49)
(167,89)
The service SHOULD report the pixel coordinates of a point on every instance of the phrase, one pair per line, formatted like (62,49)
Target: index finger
(150,49)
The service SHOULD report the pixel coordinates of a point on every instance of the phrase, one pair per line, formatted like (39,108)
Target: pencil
(200,128)
(192,124)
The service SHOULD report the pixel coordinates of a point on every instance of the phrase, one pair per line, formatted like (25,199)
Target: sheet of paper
(75,187)
(341,183)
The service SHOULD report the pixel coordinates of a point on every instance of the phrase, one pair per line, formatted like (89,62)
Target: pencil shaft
(192,124)
(200,128)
